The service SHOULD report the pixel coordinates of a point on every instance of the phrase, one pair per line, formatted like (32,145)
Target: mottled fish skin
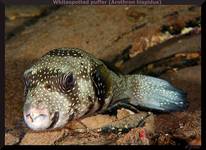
(69,83)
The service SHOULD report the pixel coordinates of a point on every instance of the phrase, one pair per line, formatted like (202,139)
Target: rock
(165,139)
(88,138)
(136,136)
(17,16)
(13,12)
(135,14)
(43,138)
(189,127)
(114,29)
(140,135)
(163,50)
(99,121)
(125,119)
(149,125)
(92,122)
(11,139)
(122,113)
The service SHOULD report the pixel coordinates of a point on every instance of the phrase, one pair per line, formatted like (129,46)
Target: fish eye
(68,81)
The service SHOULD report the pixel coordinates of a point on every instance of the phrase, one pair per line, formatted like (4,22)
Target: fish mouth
(55,119)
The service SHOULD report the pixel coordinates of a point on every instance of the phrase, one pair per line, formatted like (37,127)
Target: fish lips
(40,119)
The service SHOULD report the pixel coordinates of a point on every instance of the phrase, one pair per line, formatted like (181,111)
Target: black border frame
(2,81)
(2,76)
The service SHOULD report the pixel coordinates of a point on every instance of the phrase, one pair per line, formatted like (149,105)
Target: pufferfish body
(69,83)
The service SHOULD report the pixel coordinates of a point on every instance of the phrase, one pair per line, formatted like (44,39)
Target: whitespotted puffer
(68,83)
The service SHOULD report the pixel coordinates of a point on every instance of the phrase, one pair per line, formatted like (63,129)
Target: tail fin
(156,94)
